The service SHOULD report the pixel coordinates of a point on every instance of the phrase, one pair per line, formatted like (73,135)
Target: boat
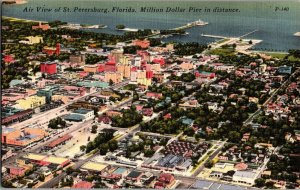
(129,29)
(90,26)
(200,23)
(297,34)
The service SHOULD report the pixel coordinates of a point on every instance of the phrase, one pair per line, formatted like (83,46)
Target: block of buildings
(22,137)
(116,77)
(90,68)
(30,102)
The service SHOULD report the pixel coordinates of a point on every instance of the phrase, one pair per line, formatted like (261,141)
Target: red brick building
(110,65)
(149,74)
(41,26)
(141,43)
(48,67)
(165,180)
(52,50)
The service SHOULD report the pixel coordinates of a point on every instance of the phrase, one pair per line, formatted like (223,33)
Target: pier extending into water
(190,25)
(224,37)
(248,33)
(213,36)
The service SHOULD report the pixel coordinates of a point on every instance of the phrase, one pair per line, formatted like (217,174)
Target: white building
(32,40)
(244,177)
(88,114)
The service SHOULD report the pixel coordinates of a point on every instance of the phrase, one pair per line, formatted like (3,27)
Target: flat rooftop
(94,166)
(35,156)
(7,130)
(203,184)
(82,111)
(56,160)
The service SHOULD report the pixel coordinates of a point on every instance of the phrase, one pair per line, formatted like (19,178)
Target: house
(83,185)
(285,70)
(190,104)
(9,59)
(147,111)
(146,176)
(168,116)
(241,166)
(154,95)
(134,176)
(246,137)
(16,170)
(204,74)
(165,180)
(104,119)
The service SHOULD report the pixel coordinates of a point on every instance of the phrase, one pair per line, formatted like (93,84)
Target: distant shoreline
(22,19)
(12,2)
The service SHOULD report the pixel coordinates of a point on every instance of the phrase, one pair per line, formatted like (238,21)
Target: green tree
(69,170)
(113,145)
(103,148)
(111,82)
(260,182)
(209,164)
(94,129)
(82,148)
(89,147)
(234,136)
(42,177)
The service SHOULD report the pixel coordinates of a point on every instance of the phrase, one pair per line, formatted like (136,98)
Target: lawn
(282,56)
(222,51)
(222,41)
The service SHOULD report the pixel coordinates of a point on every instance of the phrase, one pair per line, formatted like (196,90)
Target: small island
(123,28)
(120,26)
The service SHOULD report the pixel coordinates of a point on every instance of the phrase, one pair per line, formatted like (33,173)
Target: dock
(213,36)
(224,37)
(189,25)
(248,33)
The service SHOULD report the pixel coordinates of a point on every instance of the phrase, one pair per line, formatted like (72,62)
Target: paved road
(50,114)
(211,156)
(53,114)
